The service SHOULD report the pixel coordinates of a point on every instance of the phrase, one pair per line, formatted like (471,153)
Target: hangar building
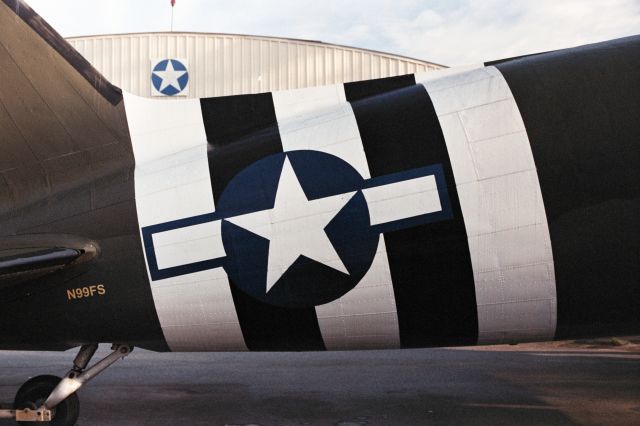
(231,64)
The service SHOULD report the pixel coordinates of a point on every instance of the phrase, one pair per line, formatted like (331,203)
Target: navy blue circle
(182,81)
(306,283)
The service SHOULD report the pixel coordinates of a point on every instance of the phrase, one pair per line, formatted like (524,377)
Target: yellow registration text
(84,292)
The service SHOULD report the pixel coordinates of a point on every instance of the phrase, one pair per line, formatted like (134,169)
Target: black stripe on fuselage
(242,130)
(430,264)
(581,109)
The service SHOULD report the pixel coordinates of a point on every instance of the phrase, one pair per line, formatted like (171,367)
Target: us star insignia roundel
(301,229)
(304,239)
(170,77)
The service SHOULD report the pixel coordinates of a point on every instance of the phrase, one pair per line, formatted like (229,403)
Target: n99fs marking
(85,292)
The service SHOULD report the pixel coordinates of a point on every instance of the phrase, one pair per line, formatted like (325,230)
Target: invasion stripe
(501,203)
(581,110)
(321,119)
(196,310)
(242,130)
(430,264)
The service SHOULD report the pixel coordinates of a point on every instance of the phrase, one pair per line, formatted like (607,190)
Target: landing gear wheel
(35,392)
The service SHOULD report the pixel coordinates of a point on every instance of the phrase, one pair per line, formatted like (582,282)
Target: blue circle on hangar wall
(306,282)
(170,77)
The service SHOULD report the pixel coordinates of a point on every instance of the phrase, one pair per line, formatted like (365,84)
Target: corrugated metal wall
(223,64)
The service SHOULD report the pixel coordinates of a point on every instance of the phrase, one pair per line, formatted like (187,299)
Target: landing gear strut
(54,400)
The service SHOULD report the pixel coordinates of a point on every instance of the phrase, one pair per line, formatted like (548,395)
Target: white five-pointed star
(295,226)
(169,77)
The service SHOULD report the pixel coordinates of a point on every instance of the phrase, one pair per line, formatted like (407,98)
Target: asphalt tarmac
(524,385)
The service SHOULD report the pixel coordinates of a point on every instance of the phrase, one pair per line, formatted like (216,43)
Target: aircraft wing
(67,196)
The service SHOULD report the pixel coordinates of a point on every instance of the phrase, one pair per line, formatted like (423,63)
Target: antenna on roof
(173,3)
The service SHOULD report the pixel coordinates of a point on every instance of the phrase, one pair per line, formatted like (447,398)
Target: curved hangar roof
(228,64)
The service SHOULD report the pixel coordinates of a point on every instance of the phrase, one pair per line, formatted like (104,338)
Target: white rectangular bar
(189,245)
(417,196)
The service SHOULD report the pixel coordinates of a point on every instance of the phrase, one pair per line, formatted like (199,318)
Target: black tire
(36,390)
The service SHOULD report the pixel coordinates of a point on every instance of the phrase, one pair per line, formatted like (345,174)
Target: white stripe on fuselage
(172,182)
(419,196)
(501,203)
(321,119)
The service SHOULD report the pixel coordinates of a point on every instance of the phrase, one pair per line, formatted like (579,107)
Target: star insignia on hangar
(170,77)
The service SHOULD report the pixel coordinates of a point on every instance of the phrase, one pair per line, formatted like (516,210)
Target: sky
(449,32)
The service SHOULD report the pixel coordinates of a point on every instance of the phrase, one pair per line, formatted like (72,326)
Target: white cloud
(480,31)
(450,32)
